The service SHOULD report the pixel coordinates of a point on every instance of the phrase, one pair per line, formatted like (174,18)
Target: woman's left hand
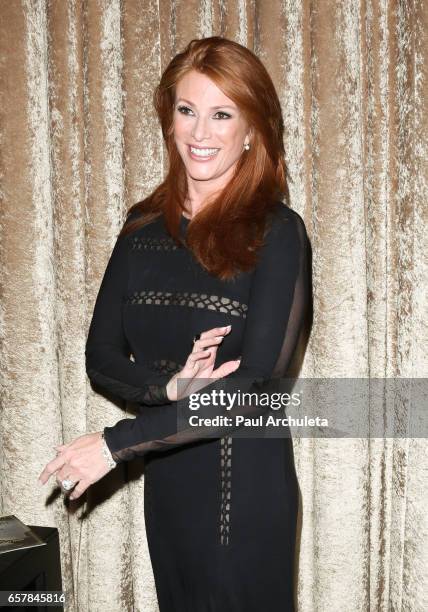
(80,461)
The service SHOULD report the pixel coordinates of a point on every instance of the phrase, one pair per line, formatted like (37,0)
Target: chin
(197,177)
(202,173)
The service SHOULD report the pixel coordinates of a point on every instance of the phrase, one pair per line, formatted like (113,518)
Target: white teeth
(204,152)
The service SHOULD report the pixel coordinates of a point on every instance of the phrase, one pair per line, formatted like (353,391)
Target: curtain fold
(80,143)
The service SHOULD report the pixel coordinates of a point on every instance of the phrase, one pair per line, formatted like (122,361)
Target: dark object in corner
(33,569)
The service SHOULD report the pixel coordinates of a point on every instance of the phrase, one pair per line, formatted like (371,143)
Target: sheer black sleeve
(278,300)
(107,351)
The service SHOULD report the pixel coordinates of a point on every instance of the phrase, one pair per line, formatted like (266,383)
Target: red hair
(228,231)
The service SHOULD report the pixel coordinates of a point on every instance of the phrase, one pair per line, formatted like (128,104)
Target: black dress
(220,512)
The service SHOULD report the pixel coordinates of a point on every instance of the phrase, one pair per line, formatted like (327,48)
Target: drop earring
(246,146)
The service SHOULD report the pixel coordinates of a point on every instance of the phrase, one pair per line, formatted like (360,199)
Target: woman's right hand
(199,365)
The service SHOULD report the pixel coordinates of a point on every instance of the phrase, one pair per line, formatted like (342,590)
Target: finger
(66,473)
(226,368)
(79,489)
(215,331)
(59,481)
(51,468)
(210,341)
(62,474)
(203,362)
(194,357)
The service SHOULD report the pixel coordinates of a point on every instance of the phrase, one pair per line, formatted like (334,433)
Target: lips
(202,158)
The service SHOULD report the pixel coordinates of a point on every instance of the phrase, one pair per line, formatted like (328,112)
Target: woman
(212,255)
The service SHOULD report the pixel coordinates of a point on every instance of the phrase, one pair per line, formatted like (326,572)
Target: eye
(225,115)
(183,109)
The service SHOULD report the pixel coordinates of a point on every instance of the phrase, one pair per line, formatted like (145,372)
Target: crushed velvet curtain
(80,143)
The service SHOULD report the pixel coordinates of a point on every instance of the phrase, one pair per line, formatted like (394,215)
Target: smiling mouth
(202,154)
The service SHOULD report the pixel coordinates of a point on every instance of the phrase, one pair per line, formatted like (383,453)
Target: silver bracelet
(107,454)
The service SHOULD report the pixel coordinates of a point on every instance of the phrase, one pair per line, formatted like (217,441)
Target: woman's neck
(194,204)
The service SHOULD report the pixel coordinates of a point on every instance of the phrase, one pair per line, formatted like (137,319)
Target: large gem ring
(67,485)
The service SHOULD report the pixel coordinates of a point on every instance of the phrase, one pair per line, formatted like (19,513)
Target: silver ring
(67,485)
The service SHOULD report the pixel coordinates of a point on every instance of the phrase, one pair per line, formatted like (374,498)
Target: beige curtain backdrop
(80,143)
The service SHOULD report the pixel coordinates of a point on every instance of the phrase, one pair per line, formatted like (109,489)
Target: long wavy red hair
(228,231)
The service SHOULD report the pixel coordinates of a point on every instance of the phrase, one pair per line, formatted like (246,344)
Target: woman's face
(209,130)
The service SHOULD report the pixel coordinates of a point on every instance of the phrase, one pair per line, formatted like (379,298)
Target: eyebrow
(212,108)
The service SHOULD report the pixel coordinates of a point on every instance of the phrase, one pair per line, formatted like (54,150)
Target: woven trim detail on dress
(153,243)
(226,488)
(192,300)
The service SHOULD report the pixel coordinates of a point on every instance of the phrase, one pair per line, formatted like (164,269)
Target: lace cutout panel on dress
(166,366)
(226,488)
(192,300)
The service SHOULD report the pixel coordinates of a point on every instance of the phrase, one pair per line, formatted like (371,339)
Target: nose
(200,129)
